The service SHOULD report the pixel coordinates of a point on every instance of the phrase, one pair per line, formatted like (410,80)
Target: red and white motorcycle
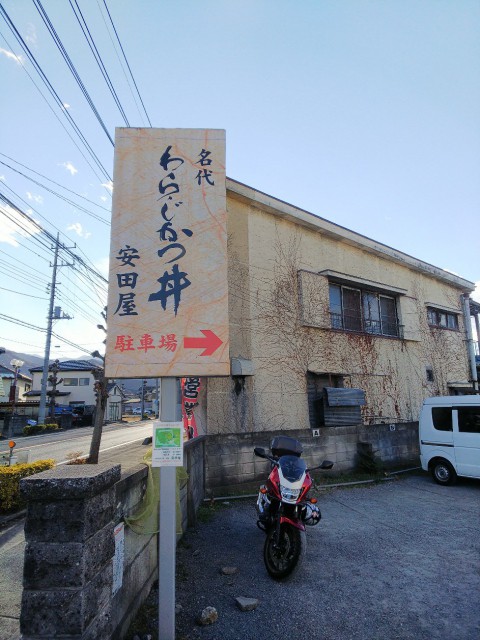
(284,507)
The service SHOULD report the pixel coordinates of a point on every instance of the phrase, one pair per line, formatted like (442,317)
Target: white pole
(167,539)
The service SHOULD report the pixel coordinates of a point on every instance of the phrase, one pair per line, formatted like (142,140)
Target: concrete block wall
(192,494)
(229,458)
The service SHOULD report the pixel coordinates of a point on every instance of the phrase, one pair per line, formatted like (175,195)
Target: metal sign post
(167,541)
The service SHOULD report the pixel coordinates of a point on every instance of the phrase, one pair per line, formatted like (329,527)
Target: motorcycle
(284,507)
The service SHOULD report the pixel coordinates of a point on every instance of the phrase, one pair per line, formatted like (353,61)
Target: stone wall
(79,583)
(230,460)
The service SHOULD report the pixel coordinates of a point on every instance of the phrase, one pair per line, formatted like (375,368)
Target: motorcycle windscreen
(292,467)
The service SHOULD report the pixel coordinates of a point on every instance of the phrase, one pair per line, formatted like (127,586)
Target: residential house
(76,383)
(7,382)
(314,306)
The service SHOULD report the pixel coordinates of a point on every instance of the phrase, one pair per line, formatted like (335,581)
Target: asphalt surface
(397,560)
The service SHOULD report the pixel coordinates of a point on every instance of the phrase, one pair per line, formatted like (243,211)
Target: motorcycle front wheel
(282,559)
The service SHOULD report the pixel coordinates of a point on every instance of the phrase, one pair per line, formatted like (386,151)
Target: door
(466,438)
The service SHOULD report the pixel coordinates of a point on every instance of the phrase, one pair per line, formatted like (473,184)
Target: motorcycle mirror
(326,464)
(260,452)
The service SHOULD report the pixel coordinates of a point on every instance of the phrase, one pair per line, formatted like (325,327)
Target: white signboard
(167,449)
(119,557)
(168,297)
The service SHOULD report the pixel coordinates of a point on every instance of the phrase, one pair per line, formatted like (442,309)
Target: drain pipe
(470,345)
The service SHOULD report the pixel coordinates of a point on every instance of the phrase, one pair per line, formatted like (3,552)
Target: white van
(449,433)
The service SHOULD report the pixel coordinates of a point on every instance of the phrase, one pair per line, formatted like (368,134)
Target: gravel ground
(398,560)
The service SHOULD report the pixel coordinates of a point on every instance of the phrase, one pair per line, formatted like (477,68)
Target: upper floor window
(443,319)
(366,311)
(70,382)
(84,382)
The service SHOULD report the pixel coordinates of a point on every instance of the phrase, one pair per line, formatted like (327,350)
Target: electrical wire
(59,195)
(78,195)
(126,61)
(51,90)
(22,294)
(70,65)
(98,59)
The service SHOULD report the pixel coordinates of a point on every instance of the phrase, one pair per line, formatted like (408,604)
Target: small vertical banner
(190,391)
(167,450)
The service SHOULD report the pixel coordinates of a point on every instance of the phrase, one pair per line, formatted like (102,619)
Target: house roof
(261,200)
(71,365)
(5,372)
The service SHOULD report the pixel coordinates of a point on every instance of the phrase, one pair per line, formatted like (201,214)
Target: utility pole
(50,319)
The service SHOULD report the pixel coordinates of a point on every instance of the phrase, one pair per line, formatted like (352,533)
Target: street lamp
(16,364)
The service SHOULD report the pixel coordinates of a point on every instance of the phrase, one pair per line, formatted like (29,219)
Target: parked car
(137,411)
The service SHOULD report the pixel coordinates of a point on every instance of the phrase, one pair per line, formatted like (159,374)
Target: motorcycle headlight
(289,494)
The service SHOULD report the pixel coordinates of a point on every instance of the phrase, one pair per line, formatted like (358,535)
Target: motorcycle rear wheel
(283,560)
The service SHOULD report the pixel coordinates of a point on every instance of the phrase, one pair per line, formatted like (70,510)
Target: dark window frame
(441,319)
(373,317)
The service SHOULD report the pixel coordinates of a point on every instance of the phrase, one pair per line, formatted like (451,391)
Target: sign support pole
(167,538)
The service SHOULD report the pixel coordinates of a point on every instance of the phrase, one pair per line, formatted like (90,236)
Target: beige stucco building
(315,305)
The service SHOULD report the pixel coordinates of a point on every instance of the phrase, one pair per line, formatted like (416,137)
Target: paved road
(395,561)
(59,445)
(120,444)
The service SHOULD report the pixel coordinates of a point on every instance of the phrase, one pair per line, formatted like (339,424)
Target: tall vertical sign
(168,299)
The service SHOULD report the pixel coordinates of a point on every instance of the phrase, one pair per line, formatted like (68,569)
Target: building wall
(279,319)
(84,394)
(22,386)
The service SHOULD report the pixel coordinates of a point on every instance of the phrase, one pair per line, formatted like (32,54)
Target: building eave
(265,202)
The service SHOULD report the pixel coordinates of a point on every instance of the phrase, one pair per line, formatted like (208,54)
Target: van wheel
(443,472)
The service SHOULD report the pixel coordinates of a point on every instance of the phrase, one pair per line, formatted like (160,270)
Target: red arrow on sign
(210,342)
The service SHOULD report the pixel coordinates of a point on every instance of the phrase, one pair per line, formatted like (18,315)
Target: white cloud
(37,199)
(103,198)
(77,227)
(11,56)
(102,265)
(31,36)
(2,178)
(9,229)
(108,185)
(69,167)
(66,106)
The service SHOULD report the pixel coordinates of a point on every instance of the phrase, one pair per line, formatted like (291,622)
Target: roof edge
(310,220)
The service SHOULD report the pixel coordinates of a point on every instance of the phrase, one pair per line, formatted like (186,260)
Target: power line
(51,90)
(78,195)
(126,61)
(70,65)
(98,59)
(22,294)
(59,195)
(52,238)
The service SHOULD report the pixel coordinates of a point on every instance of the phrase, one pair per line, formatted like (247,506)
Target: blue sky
(363,112)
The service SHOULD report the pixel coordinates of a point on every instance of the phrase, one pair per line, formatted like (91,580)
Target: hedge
(30,430)
(10,477)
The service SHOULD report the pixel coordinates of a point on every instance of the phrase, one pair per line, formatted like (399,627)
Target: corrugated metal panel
(342,416)
(336,397)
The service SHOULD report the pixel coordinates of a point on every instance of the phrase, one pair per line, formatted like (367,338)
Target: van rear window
(442,418)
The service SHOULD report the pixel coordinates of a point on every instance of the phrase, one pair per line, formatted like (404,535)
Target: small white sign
(118,558)
(167,443)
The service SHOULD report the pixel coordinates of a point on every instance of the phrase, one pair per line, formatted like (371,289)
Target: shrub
(10,477)
(76,457)
(31,430)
